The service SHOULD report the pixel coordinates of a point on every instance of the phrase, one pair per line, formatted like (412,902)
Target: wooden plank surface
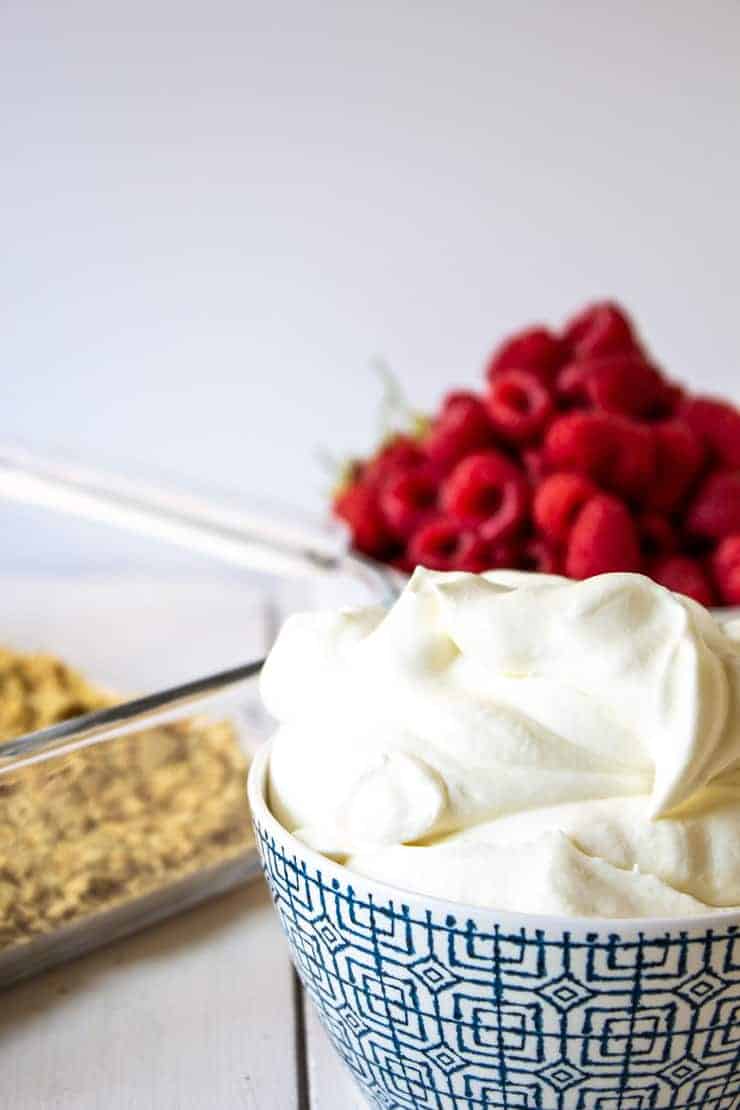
(330,1083)
(197,1013)
(194,1014)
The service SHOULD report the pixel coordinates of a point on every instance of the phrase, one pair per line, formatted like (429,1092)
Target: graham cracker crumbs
(88,831)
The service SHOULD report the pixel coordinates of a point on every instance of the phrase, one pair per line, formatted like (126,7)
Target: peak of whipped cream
(517,741)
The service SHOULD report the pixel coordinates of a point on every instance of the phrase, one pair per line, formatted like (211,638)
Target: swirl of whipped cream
(517,741)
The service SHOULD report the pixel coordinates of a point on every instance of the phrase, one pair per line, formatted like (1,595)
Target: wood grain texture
(194,1014)
(331,1085)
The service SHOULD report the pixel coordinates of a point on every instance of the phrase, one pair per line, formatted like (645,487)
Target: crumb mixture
(86,831)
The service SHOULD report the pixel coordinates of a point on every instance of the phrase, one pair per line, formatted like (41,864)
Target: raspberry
(571,385)
(519,406)
(533,461)
(717,424)
(601,329)
(630,459)
(557,503)
(445,544)
(675,397)
(399,453)
(535,349)
(679,457)
(657,535)
(539,556)
(629,385)
(503,556)
(358,506)
(407,499)
(622,383)
(603,539)
(617,453)
(461,428)
(487,490)
(715,511)
(726,569)
(684,575)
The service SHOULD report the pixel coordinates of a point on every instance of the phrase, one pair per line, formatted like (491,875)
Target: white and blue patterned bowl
(440,1005)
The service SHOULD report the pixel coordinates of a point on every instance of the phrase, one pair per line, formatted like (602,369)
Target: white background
(214,215)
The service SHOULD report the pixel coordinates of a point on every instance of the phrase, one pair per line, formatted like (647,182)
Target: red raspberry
(715,511)
(358,506)
(519,406)
(461,428)
(445,544)
(487,490)
(572,385)
(675,396)
(679,457)
(503,556)
(717,424)
(657,535)
(601,329)
(629,385)
(617,453)
(558,501)
(684,575)
(603,539)
(623,383)
(408,498)
(399,453)
(535,349)
(539,556)
(726,568)
(533,461)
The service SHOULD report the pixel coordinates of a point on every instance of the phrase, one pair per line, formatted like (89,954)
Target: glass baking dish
(101,814)
(121,818)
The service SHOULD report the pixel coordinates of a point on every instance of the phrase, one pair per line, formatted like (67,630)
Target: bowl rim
(514,919)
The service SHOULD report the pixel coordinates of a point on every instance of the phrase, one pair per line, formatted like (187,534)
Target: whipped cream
(518,742)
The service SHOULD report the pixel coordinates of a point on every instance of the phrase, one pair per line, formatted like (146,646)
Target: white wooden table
(198,1013)
(203,1011)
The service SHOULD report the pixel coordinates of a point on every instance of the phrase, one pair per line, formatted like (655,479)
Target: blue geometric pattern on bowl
(447,1012)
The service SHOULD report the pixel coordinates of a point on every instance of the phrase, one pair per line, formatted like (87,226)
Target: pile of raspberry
(580,457)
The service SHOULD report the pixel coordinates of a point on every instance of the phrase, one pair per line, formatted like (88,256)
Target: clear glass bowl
(122,817)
